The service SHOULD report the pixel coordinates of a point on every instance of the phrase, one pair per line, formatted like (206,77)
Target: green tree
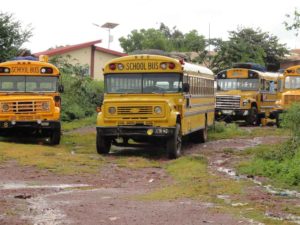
(164,38)
(144,39)
(293,23)
(12,36)
(247,45)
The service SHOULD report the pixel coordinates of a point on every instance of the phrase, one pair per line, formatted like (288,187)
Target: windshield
(292,82)
(28,84)
(237,84)
(143,83)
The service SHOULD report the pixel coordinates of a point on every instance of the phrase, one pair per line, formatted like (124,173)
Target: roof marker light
(120,66)
(172,65)
(112,66)
(163,66)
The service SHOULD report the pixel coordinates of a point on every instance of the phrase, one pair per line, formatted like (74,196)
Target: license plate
(227,112)
(26,118)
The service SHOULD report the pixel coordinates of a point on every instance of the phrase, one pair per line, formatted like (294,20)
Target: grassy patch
(222,130)
(274,162)
(80,143)
(193,181)
(88,121)
(136,162)
(75,155)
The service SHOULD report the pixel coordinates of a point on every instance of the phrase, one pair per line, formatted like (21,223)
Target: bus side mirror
(186,87)
(61,88)
(101,99)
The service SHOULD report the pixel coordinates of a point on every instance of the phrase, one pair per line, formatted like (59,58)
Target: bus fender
(173,118)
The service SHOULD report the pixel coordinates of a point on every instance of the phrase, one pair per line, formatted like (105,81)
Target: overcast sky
(61,22)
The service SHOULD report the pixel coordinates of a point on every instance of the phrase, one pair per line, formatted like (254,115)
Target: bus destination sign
(25,69)
(142,66)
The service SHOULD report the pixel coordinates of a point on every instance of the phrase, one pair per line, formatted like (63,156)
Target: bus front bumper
(232,113)
(8,125)
(133,131)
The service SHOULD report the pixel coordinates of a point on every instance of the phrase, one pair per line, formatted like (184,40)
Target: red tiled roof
(65,49)
(110,51)
(296,51)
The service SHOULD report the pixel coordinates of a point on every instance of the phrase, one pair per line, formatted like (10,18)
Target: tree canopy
(164,38)
(247,45)
(12,36)
(293,23)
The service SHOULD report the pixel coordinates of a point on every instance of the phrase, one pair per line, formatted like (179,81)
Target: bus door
(268,96)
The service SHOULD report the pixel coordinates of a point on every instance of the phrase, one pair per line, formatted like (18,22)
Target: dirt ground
(32,196)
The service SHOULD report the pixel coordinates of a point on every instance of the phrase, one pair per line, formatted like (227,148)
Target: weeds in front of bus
(75,124)
(222,130)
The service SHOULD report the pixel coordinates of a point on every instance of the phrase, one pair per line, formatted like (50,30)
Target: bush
(81,94)
(291,121)
(280,162)
(80,98)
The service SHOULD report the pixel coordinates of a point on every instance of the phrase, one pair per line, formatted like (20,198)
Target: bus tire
(55,137)
(203,135)
(174,143)
(252,118)
(199,136)
(103,144)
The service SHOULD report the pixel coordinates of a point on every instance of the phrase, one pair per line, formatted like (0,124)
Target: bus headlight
(246,101)
(112,110)
(157,110)
(45,106)
(5,107)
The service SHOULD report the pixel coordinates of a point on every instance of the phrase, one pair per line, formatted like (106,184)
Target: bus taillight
(4,70)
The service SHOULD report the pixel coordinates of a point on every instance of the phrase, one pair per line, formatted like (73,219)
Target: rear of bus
(143,96)
(30,103)
(289,90)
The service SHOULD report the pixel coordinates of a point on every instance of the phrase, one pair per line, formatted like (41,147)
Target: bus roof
(266,75)
(293,70)
(197,69)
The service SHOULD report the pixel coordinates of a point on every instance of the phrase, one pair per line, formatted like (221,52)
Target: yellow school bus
(245,92)
(29,99)
(155,99)
(289,90)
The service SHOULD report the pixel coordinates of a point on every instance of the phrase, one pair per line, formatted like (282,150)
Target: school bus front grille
(134,110)
(228,102)
(288,99)
(23,107)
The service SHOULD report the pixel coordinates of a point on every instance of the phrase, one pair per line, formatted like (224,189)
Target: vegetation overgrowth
(279,162)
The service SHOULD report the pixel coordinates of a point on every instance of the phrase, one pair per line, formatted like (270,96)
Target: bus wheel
(55,137)
(199,136)
(203,135)
(102,144)
(252,118)
(174,143)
